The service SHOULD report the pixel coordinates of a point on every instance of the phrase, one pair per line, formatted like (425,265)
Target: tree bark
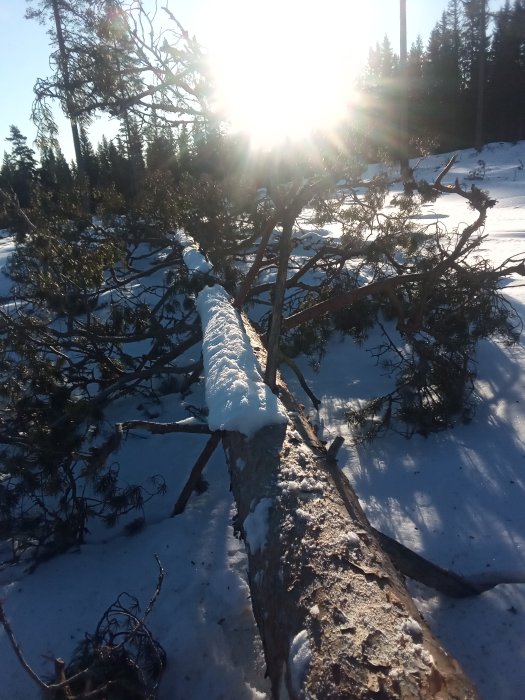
(480,92)
(64,68)
(404,164)
(335,617)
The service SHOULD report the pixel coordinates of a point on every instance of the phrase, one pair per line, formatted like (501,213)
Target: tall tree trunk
(480,97)
(403,93)
(335,617)
(70,104)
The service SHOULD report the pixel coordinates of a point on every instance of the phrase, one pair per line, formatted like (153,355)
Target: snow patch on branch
(299,660)
(193,258)
(195,261)
(236,396)
(256,525)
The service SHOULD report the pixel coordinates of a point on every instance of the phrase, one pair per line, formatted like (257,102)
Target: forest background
(444,87)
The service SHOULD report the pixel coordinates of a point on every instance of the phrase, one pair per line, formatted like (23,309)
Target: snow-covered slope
(456,497)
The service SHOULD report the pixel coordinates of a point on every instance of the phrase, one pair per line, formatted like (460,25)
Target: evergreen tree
(443,82)
(59,16)
(380,87)
(161,151)
(118,166)
(506,98)
(55,180)
(19,168)
(90,164)
(105,49)
(474,45)
(415,94)
(106,193)
(132,150)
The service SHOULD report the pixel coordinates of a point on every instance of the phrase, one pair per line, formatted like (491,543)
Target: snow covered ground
(456,497)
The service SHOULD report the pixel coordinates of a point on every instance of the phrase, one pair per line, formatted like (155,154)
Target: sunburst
(285,68)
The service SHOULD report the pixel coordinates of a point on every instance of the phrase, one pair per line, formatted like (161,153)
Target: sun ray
(285,69)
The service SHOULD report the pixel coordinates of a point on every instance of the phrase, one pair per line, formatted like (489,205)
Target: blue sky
(24,49)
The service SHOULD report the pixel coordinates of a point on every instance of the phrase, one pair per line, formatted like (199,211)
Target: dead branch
(156,593)
(63,683)
(474,195)
(193,479)
(445,171)
(163,428)
(341,301)
(334,448)
(254,270)
(47,688)
(100,454)
(416,567)
(18,651)
(420,569)
(300,376)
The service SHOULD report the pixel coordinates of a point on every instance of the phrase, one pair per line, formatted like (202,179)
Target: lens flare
(285,69)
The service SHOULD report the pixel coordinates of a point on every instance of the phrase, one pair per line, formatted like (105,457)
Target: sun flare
(285,68)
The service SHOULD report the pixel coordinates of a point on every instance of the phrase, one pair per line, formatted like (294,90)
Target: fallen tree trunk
(334,615)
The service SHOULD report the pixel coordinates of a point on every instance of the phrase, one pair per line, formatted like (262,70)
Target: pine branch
(163,428)
(196,471)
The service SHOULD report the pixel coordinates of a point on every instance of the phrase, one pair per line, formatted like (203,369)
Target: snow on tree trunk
(334,615)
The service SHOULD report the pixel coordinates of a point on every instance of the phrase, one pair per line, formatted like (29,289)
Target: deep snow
(456,497)
(236,396)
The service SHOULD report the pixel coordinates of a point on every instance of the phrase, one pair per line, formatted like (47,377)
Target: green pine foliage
(431,353)
(64,353)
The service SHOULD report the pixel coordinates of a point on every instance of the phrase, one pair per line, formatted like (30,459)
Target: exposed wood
(335,617)
(335,447)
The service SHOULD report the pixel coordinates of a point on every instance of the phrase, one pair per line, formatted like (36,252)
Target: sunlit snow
(236,396)
(456,497)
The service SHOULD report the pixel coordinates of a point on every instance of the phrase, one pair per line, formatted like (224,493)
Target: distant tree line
(469,50)
(160,148)
(147,169)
